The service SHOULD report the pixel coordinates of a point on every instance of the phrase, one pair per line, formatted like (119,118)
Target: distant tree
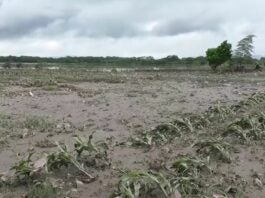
(7,65)
(200,60)
(218,56)
(245,47)
(18,65)
(172,58)
(188,60)
(243,52)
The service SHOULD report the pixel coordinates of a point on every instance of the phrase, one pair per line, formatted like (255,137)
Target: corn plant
(81,145)
(199,187)
(184,124)
(218,111)
(250,102)
(148,139)
(191,123)
(261,118)
(186,165)
(188,187)
(141,184)
(59,159)
(160,135)
(24,169)
(235,131)
(214,148)
(246,128)
(143,140)
(245,122)
(240,128)
(63,158)
(199,121)
(168,129)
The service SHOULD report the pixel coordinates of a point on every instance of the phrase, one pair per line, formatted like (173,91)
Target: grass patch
(43,190)
(34,78)
(9,125)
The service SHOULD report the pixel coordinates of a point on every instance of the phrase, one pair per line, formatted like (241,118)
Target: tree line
(108,61)
(215,57)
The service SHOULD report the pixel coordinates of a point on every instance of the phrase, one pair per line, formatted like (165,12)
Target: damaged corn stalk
(219,112)
(215,148)
(190,166)
(81,145)
(192,177)
(191,123)
(160,135)
(188,186)
(248,128)
(250,102)
(184,124)
(167,132)
(199,121)
(64,158)
(142,184)
(223,112)
(189,179)
(26,169)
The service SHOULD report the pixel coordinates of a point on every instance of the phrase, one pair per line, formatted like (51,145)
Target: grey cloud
(114,19)
(19,20)
(181,26)
(21,28)
(130,23)
(108,29)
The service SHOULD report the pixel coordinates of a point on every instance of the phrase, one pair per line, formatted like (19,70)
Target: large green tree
(218,56)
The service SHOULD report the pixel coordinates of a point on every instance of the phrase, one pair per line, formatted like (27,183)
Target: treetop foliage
(219,55)
(245,47)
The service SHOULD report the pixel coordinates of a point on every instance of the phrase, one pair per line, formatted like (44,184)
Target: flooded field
(108,133)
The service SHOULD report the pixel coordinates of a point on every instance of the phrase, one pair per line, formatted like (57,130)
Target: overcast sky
(127,27)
